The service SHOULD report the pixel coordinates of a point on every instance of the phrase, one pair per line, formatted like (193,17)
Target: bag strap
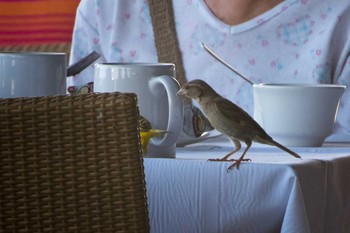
(165,35)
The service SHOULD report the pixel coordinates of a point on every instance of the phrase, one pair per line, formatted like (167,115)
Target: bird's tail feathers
(285,149)
(274,143)
(155,132)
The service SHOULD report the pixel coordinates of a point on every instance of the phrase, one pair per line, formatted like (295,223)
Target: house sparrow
(229,119)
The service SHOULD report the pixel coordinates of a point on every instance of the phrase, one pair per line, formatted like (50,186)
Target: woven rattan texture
(59,47)
(71,164)
(165,37)
(54,48)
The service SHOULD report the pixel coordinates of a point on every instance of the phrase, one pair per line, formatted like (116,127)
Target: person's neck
(226,10)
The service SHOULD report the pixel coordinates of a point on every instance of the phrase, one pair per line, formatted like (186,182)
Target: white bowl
(297,114)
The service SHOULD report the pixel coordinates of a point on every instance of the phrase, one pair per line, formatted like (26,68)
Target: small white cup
(156,88)
(29,74)
(298,115)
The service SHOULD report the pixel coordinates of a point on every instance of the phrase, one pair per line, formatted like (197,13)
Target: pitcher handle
(175,117)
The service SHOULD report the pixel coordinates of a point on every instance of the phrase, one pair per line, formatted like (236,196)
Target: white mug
(156,87)
(29,74)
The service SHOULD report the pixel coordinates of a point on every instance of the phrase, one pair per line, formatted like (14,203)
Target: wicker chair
(71,164)
(54,48)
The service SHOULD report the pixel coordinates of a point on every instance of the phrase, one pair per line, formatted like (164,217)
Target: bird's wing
(144,124)
(236,114)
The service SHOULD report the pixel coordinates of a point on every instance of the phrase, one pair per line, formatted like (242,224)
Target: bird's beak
(182,92)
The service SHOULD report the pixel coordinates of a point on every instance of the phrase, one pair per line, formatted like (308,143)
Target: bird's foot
(222,160)
(237,163)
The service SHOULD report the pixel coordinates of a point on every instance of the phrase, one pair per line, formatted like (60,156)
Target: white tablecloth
(274,193)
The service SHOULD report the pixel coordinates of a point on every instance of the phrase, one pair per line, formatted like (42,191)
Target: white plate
(184,141)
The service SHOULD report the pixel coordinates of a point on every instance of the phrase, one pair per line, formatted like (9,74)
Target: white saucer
(184,141)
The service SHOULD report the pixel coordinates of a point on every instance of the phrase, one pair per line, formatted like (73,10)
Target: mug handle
(175,117)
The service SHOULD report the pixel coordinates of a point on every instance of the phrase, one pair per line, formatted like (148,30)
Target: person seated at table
(270,41)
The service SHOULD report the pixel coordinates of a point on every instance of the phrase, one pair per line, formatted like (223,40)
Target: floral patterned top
(297,41)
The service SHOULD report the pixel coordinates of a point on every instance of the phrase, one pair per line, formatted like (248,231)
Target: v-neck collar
(217,23)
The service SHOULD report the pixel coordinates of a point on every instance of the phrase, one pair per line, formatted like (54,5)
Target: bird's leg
(237,162)
(225,158)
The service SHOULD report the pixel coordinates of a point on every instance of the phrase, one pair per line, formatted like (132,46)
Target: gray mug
(29,74)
